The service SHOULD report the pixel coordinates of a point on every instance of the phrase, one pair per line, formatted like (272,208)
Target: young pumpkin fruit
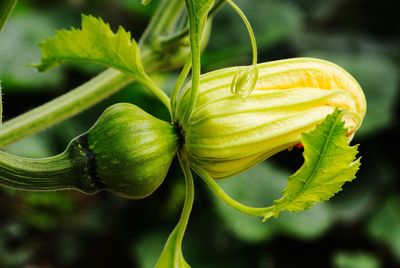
(228,134)
(127,151)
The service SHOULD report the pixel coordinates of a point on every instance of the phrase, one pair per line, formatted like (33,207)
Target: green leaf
(355,260)
(251,187)
(96,43)
(329,163)
(384,226)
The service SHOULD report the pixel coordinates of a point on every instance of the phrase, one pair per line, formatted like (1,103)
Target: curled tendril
(244,81)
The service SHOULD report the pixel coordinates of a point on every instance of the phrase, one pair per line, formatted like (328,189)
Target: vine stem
(63,107)
(196,70)
(221,194)
(189,198)
(171,255)
(23,174)
(179,83)
(65,171)
(196,28)
(158,92)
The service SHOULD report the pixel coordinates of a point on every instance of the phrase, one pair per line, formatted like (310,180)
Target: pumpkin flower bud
(131,150)
(228,134)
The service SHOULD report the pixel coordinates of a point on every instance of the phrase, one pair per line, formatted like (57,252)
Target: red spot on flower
(299,146)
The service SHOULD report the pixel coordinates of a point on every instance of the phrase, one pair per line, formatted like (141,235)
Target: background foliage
(360,227)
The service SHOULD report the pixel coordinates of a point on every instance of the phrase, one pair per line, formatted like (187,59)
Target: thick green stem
(67,170)
(35,174)
(61,108)
(220,193)
(189,198)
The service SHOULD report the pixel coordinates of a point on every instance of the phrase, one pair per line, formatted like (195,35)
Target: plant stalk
(63,107)
(65,171)
(189,198)
(221,194)
(171,255)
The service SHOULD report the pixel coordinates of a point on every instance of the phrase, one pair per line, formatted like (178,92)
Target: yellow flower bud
(228,134)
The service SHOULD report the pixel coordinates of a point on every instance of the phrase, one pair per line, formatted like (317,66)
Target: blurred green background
(358,228)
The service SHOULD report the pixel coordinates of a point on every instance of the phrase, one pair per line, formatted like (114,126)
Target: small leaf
(96,43)
(329,163)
